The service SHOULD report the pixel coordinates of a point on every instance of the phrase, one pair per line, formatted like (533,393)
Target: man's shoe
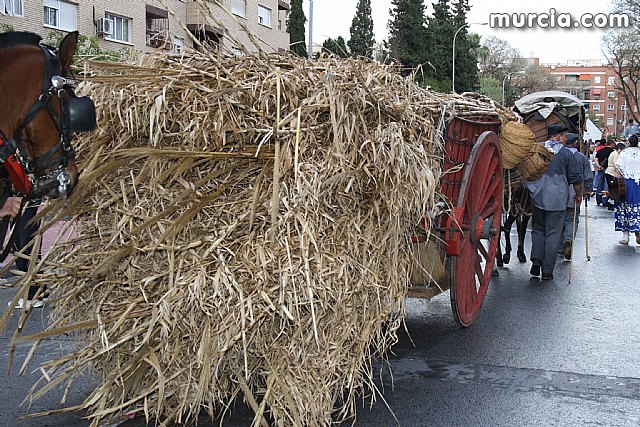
(638,238)
(547,276)
(535,269)
(567,249)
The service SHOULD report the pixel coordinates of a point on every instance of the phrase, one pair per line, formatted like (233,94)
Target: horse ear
(67,50)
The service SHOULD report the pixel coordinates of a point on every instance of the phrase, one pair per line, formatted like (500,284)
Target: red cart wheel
(481,201)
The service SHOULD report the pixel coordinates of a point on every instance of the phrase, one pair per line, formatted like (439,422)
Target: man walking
(549,198)
(573,210)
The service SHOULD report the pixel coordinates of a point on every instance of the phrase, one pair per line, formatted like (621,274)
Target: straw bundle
(536,164)
(243,231)
(517,142)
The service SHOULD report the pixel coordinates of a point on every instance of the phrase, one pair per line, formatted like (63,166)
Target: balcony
(157,28)
(283,5)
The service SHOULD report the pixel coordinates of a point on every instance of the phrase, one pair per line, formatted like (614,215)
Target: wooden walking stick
(586,229)
(573,230)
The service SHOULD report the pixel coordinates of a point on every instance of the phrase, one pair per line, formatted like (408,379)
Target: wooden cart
(459,251)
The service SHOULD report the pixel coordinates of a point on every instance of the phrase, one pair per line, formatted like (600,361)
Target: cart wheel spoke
(489,210)
(491,192)
(483,252)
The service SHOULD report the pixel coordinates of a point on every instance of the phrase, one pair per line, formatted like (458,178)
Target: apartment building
(597,85)
(145,25)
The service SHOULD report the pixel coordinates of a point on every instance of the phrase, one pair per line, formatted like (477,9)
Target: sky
(332,18)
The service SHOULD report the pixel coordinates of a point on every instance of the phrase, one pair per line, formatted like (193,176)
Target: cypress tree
(361,42)
(466,47)
(295,28)
(440,29)
(337,47)
(407,39)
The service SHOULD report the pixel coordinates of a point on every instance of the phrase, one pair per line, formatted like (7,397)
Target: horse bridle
(36,177)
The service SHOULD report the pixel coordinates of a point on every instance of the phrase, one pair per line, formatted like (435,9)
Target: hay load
(242,232)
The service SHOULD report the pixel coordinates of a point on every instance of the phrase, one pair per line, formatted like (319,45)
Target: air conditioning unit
(104,27)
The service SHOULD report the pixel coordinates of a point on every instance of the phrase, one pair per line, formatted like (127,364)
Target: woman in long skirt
(627,212)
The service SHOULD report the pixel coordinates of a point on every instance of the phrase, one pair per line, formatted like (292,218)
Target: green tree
(362,42)
(407,40)
(492,88)
(440,32)
(295,28)
(336,47)
(89,48)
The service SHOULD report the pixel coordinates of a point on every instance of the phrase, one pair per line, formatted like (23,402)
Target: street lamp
(504,81)
(453,53)
(310,45)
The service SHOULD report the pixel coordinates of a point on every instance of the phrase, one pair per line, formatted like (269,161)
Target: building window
(611,80)
(623,107)
(610,94)
(239,8)
(610,121)
(236,51)
(264,16)
(571,78)
(609,107)
(51,16)
(121,28)
(596,79)
(60,15)
(12,7)
(596,107)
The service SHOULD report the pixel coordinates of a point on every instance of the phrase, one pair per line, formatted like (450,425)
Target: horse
(39,112)
(518,210)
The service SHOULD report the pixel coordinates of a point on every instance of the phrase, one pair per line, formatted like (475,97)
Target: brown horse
(518,211)
(39,113)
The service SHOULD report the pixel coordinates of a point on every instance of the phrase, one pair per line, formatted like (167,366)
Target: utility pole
(310,46)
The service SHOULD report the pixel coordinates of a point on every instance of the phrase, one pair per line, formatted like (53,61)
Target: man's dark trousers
(546,233)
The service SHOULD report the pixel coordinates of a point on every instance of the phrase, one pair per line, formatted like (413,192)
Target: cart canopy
(548,101)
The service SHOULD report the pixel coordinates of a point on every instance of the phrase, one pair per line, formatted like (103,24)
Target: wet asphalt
(539,354)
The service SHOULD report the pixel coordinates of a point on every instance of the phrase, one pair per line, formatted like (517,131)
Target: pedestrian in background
(549,198)
(627,212)
(610,171)
(631,129)
(573,210)
(602,158)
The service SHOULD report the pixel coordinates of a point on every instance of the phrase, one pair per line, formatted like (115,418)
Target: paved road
(539,354)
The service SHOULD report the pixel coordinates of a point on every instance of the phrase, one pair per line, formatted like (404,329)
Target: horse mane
(17,38)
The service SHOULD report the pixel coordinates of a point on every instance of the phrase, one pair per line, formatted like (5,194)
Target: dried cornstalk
(193,280)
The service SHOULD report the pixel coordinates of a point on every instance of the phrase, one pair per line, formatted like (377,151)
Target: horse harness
(34,178)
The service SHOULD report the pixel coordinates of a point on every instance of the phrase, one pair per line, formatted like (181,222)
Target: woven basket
(536,163)
(516,142)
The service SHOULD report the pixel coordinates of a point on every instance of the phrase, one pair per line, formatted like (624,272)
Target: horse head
(39,112)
